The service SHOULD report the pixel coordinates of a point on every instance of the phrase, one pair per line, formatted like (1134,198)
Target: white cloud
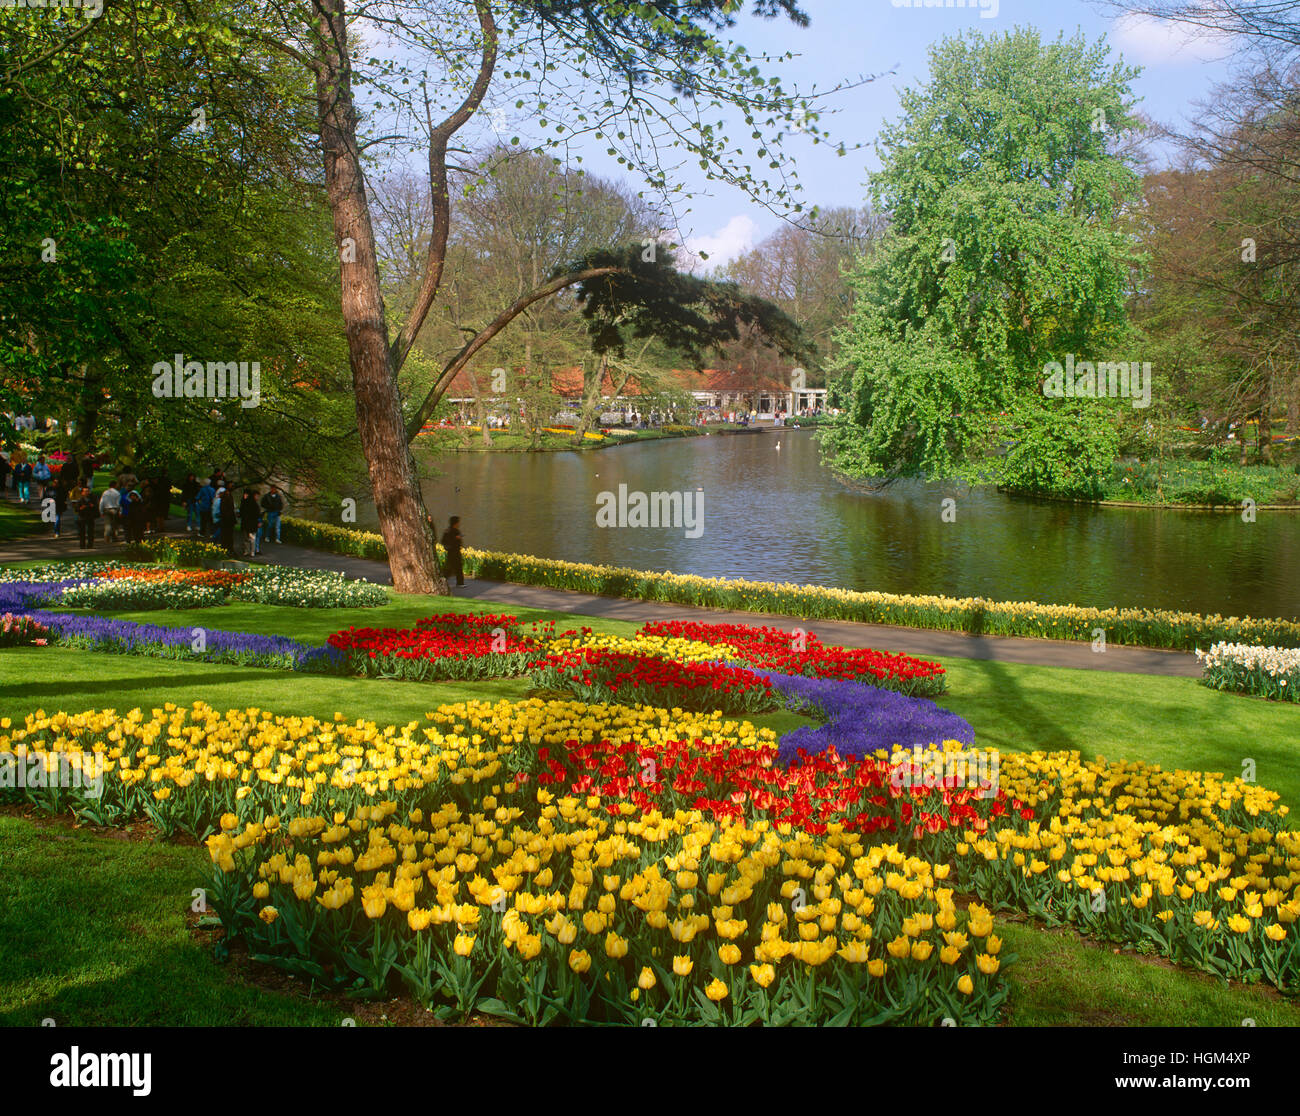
(723,246)
(1153,42)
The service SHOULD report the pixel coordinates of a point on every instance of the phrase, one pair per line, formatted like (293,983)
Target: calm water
(779,515)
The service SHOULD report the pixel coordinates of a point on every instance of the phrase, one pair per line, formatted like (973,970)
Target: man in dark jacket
(250,516)
(451,541)
(87,507)
(226,511)
(272,505)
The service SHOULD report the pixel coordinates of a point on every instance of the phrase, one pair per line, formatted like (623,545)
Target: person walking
(203,502)
(451,543)
(190,501)
(142,513)
(226,519)
(41,477)
(250,518)
(272,505)
(60,506)
(23,481)
(109,507)
(86,507)
(128,513)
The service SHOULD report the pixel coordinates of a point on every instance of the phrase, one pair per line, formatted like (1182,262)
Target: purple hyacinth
(128,637)
(860,718)
(23,596)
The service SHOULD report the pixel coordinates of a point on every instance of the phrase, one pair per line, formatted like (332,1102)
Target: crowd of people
(132,507)
(211,513)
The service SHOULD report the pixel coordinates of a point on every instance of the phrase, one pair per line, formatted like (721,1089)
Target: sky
(851,38)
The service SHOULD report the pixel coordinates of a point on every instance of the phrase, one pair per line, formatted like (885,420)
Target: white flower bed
(288,585)
(1271,672)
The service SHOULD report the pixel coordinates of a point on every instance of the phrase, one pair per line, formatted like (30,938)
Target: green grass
(17,522)
(1060,979)
(92,928)
(93,933)
(1175,722)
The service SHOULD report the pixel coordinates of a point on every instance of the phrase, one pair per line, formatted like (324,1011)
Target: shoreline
(1222,509)
(589,446)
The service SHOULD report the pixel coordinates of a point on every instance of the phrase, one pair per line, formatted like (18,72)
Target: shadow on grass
(58,688)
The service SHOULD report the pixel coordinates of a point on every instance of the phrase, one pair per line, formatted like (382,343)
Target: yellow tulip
(716,990)
(647,980)
(682,965)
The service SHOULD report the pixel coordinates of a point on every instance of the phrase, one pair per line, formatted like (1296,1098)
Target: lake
(774,514)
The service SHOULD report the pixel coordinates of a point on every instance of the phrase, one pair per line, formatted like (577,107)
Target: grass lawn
(17,522)
(93,928)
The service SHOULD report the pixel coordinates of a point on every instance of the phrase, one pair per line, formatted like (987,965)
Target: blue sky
(849,38)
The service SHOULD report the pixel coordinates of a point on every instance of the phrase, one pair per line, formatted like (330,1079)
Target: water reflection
(778,515)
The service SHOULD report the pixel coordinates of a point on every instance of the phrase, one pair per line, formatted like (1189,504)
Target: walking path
(920,642)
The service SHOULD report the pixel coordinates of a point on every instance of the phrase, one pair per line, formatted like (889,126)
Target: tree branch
(475,343)
(439,138)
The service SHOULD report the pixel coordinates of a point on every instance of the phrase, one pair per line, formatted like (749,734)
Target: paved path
(912,641)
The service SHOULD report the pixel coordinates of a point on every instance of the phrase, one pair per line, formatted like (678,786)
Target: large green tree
(1006,250)
(160,194)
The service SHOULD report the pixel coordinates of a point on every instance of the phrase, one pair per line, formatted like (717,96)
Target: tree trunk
(403,520)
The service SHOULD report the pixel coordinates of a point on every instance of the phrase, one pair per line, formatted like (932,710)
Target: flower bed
(22,631)
(451,646)
(1268,672)
(659,647)
(186,553)
(555,861)
(132,595)
(1196,865)
(297,588)
(108,587)
(1183,631)
(863,719)
(125,637)
(804,653)
(218,579)
(443,866)
(595,675)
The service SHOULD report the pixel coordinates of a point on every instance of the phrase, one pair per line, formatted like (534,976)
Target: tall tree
(644,77)
(1005,251)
